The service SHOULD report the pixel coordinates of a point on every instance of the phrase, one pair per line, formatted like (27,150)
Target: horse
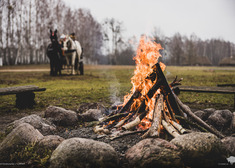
(72,51)
(54,53)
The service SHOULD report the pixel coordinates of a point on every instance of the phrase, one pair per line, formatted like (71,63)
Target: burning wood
(153,104)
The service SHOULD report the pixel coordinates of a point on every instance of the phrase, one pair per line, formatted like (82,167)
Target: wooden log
(155,128)
(120,123)
(135,95)
(170,110)
(167,91)
(178,127)
(113,117)
(188,111)
(126,133)
(170,129)
(132,124)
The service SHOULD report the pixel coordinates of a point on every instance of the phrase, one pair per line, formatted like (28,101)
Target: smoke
(114,87)
(167,73)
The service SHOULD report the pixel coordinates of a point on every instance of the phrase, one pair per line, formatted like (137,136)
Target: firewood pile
(153,108)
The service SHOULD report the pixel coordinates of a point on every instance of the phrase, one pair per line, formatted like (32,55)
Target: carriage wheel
(81,68)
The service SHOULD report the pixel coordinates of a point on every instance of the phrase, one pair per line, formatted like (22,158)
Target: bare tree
(176,49)
(113,32)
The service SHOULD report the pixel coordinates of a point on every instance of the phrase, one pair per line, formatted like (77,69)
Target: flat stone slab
(20,89)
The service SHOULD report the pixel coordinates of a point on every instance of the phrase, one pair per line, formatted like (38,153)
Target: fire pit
(153,107)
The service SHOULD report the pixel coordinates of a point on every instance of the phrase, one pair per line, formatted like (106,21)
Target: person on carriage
(61,43)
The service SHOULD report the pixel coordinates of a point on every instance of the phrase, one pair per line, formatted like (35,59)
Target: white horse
(72,51)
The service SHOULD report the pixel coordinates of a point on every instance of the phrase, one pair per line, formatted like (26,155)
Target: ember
(152,105)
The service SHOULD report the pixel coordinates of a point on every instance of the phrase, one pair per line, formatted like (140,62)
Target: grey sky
(205,18)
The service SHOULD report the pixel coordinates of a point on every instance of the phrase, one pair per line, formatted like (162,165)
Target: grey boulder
(50,142)
(220,119)
(60,116)
(200,149)
(154,153)
(81,152)
(229,144)
(44,126)
(91,115)
(19,137)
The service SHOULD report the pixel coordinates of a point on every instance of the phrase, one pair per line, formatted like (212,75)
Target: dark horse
(54,53)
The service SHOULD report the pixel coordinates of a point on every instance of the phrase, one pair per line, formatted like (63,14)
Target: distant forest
(24,37)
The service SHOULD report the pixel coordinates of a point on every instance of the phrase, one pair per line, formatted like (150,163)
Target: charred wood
(167,91)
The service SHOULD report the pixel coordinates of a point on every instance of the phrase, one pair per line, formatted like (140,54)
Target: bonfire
(152,107)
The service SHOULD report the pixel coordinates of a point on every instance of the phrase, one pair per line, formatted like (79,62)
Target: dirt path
(24,70)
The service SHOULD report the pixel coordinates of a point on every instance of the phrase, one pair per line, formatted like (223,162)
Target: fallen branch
(188,111)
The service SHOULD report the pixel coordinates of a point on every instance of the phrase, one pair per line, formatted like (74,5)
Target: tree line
(24,37)
(183,50)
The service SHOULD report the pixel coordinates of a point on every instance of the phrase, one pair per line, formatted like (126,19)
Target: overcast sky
(206,18)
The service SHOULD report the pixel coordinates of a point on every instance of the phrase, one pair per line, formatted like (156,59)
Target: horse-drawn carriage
(67,52)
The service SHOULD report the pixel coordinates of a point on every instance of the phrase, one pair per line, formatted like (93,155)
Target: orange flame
(147,56)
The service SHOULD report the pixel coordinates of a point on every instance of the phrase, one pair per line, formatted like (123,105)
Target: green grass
(204,76)
(100,82)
